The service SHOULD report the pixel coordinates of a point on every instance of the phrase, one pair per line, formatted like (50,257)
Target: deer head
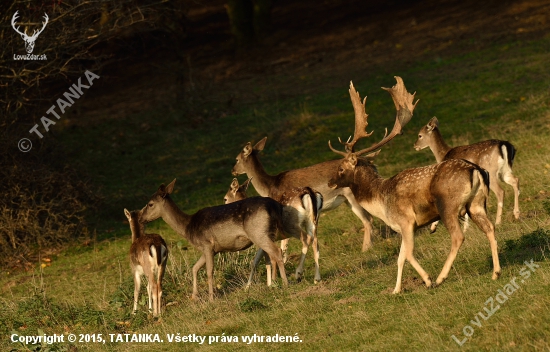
(236,192)
(244,156)
(425,134)
(153,209)
(29,40)
(404,105)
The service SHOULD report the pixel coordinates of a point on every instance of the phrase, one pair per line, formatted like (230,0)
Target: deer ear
(170,187)
(127,213)
(247,149)
(234,185)
(260,145)
(432,124)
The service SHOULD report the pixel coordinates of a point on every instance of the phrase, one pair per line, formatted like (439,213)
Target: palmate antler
(403,101)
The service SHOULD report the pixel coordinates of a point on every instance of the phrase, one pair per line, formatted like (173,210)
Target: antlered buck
(495,156)
(300,216)
(414,197)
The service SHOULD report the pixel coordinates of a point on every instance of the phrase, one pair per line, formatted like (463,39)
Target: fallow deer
(300,215)
(415,197)
(495,156)
(236,192)
(314,177)
(148,256)
(225,228)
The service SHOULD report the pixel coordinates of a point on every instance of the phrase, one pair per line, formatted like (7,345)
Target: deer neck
(175,218)
(438,146)
(370,189)
(367,184)
(262,181)
(137,229)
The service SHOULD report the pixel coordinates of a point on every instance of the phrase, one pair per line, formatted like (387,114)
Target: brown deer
(148,256)
(300,215)
(497,157)
(415,197)
(225,228)
(314,177)
(236,192)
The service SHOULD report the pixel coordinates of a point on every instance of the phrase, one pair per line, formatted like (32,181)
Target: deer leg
(269,269)
(199,264)
(316,257)
(284,247)
(254,265)
(149,293)
(365,218)
(433,226)
(499,192)
(305,244)
(160,277)
(137,286)
(400,265)
(210,273)
(514,182)
(277,257)
(479,216)
(154,293)
(408,239)
(457,238)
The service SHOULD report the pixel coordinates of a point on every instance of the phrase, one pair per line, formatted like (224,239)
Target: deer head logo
(29,40)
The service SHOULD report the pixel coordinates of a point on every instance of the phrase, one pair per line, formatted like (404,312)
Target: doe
(148,256)
(495,156)
(225,228)
(301,207)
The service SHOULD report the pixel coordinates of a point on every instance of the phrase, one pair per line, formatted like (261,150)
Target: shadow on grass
(534,245)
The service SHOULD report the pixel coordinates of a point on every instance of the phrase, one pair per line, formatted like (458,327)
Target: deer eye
(341,169)
(150,205)
(419,136)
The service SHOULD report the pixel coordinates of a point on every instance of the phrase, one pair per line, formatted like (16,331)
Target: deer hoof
(496,275)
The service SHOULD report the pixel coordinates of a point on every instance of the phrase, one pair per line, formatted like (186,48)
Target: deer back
(490,155)
(229,226)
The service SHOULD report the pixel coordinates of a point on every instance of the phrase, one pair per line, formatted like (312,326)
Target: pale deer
(148,256)
(300,215)
(314,177)
(225,228)
(415,197)
(495,156)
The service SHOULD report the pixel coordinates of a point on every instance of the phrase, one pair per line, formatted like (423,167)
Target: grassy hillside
(499,92)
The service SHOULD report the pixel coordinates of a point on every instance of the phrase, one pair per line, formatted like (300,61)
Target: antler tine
(43,26)
(360,118)
(336,151)
(404,105)
(13,19)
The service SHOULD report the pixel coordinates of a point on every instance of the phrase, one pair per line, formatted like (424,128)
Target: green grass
(501,92)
